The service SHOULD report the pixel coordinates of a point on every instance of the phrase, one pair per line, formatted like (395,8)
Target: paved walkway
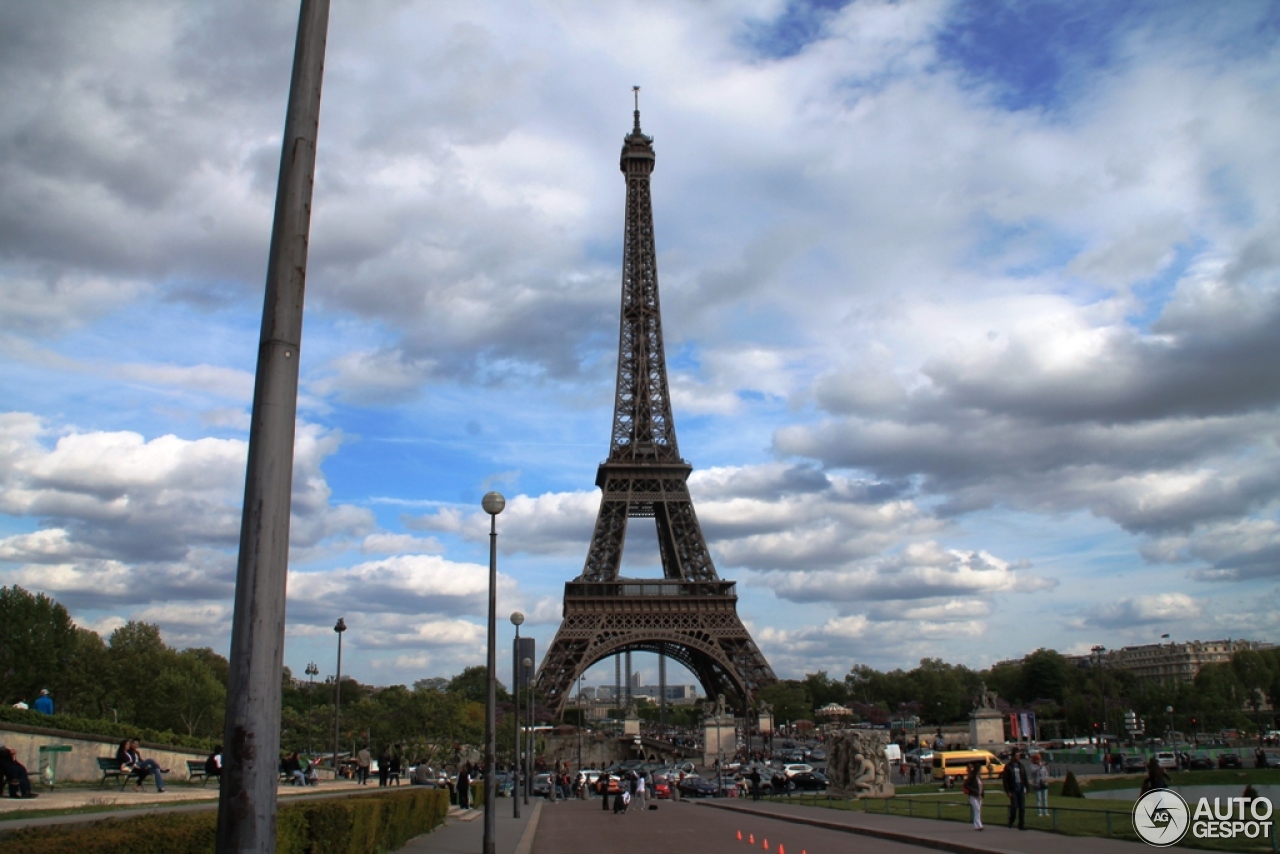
(463,831)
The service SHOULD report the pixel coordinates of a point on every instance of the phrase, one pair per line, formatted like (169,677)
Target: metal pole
(340,627)
(492,503)
(247,795)
(530,699)
(515,687)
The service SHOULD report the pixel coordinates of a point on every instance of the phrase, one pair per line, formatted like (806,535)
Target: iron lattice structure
(689,615)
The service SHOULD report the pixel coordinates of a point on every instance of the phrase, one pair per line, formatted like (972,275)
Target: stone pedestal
(766,722)
(986,726)
(631,723)
(719,739)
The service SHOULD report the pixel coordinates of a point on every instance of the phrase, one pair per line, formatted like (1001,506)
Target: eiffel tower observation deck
(690,614)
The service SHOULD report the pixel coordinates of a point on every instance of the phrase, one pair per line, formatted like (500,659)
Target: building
(1167,662)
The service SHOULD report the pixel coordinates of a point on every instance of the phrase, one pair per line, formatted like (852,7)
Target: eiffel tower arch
(689,615)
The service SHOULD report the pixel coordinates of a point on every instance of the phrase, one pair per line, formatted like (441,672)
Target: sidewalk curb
(526,838)
(889,835)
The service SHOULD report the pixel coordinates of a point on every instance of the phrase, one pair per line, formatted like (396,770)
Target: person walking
(364,760)
(384,768)
(464,786)
(638,797)
(973,788)
(754,777)
(1039,773)
(602,786)
(44,703)
(1014,778)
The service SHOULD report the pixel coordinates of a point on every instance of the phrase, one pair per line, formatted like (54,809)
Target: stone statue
(985,699)
(720,708)
(857,765)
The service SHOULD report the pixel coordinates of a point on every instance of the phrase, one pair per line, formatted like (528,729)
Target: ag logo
(1161,817)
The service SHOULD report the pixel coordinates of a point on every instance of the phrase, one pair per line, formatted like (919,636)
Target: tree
(1044,676)
(823,689)
(789,699)
(37,640)
(136,656)
(473,683)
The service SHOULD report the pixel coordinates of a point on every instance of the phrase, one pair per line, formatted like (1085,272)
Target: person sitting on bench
(16,773)
(132,762)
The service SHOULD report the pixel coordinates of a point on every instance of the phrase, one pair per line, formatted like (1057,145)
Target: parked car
(662,788)
(808,781)
(817,755)
(698,787)
(796,768)
(1167,759)
(541,785)
(1272,758)
(1200,762)
(1230,760)
(1134,763)
(922,756)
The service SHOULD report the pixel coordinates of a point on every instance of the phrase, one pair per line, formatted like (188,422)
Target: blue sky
(969,313)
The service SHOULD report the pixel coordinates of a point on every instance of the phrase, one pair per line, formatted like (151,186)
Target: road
(579,827)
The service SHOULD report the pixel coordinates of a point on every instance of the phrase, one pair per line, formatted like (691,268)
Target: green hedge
(352,825)
(108,730)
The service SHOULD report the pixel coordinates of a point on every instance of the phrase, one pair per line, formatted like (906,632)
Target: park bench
(107,765)
(195,771)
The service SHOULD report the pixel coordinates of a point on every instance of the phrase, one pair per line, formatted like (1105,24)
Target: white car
(796,768)
(1167,759)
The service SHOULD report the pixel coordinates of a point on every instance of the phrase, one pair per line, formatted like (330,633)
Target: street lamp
(528,680)
(337,698)
(493,503)
(516,619)
(311,672)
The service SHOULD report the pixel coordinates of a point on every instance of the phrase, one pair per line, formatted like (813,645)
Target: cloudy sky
(970,309)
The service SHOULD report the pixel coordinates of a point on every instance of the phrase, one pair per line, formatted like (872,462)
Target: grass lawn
(1069,816)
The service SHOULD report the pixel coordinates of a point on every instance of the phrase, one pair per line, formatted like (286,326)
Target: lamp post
(493,503)
(582,719)
(340,627)
(311,672)
(528,780)
(516,619)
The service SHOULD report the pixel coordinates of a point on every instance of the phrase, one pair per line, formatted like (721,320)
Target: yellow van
(955,763)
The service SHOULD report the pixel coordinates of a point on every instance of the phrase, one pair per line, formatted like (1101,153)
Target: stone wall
(81,764)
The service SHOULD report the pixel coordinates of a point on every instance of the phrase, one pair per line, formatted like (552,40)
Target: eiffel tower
(690,615)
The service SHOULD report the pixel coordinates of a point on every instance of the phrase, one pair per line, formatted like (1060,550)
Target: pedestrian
(602,787)
(1039,774)
(1014,778)
(639,793)
(464,786)
(754,777)
(1155,779)
(973,788)
(364,759)
(44,703)
(213,764)
(621,798)
(384,768)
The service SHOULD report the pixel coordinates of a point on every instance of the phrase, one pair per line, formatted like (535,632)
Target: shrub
(351,825)
(1071,786)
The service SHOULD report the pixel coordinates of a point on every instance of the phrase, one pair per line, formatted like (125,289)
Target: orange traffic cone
(766,845)
(739,835)
(751,838)
(781,850)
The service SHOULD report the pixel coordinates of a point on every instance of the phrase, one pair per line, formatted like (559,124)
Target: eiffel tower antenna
(690,614)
